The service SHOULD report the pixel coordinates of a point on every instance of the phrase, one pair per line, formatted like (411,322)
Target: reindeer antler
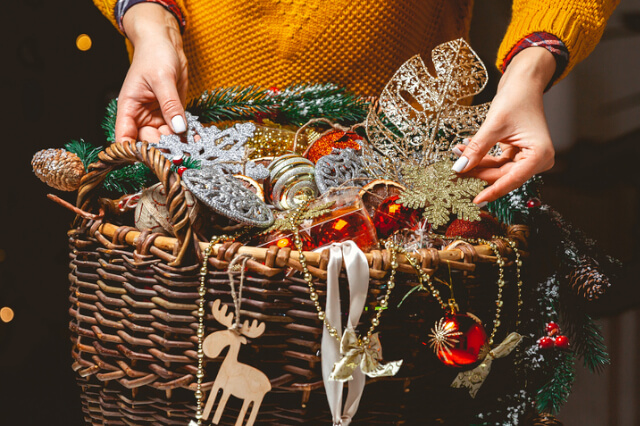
(254,330)
(220,314)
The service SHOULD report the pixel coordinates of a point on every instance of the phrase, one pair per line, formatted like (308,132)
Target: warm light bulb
(83,42)
(6,314)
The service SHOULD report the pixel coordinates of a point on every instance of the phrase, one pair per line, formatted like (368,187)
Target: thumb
(480,144)
(171,107)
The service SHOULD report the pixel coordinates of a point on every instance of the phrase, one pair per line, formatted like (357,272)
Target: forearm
(151,22)
(533,67)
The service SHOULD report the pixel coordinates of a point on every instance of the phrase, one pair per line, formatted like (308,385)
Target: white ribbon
(358,276)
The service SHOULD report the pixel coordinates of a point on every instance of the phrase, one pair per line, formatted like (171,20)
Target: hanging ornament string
(202,291)
(294,219)
(237,298)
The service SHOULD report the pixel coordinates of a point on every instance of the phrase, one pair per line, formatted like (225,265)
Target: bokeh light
(83,42)
(6,314)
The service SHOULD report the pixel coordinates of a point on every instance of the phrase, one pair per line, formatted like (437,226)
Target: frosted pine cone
(587,281)
(58,168)
(546,420)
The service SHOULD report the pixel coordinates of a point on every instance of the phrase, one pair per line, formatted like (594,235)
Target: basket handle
(120,154)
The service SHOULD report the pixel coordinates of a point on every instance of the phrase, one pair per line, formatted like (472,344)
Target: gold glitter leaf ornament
(439,191)
(426,109)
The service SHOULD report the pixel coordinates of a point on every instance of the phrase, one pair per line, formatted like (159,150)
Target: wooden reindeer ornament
(234,378)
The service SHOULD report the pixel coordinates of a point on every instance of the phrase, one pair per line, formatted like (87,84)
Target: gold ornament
(439,191)
(283,222)
(427,110)
(290,182)
(58,168)
(273,140)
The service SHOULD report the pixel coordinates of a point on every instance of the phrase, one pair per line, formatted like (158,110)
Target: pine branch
(129,179)
(512,208)
(232,103)
(84,150)
(109,121)
(556,391)
(585,336)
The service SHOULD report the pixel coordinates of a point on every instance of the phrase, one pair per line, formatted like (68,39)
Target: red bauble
(545,342)
(177,160)
(333,139)
(354,226)
(391,216)
(181,170)
(552,328)
(533,203)
(562,342)
(458,339)
(485,228)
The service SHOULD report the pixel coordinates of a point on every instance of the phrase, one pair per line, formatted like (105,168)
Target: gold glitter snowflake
(439,191)
(444,336)
(283,223)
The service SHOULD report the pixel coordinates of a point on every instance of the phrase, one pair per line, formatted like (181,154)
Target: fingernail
(460,164)
(178,125)
(466,141)
(482,204)
(456,151)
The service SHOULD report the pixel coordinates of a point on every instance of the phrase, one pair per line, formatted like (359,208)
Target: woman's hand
(516,120)
(153,93)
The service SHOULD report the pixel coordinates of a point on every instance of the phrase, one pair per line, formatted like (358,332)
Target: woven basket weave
(133,322)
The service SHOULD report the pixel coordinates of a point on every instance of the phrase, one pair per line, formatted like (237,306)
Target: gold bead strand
(202,291)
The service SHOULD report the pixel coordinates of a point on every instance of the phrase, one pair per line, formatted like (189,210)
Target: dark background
(52,93)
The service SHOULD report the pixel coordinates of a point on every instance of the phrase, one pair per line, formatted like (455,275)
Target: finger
(149,134)
(488,135)
(517,175)
(170,105)
(508,154)
(126,128)
(165,130)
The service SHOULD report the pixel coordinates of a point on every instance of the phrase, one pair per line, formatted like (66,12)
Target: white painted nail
(178,125)
(466,141)
(460,164)
(482,204)
(456,151)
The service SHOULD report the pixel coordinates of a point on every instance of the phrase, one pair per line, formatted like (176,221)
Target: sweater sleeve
(579,24)
(114,10)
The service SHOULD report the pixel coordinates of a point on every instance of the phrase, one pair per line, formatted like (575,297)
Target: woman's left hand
(516,120)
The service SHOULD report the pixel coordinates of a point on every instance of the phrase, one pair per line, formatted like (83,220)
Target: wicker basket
(133,301)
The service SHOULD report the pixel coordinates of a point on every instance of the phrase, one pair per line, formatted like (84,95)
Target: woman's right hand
(154,91)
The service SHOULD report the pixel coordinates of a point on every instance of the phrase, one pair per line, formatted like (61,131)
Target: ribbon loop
(473,379)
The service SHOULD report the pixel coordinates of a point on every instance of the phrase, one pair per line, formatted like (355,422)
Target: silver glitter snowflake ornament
(341,167)
(225,195)
(223,150)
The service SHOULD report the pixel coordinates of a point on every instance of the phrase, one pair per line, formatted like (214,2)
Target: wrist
(534,66)
(150,21)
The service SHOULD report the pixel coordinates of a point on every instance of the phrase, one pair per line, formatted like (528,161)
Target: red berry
(552,328)
(545,342)
(177,160)
(562,342)
(181,170)
(534,202)
(274,90)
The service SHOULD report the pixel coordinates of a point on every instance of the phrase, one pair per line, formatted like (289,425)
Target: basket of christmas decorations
(255,269)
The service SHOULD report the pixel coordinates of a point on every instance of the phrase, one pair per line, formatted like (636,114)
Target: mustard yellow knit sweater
(353,43)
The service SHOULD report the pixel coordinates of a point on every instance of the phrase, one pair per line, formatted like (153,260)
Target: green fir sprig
(512,208)
(553,394)
(109,121)
(84,150)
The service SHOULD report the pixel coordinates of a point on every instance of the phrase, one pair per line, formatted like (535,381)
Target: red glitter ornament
(391,216)
(283,240)
(562,342)
(458,339)
(485,228)
(533,203)
(333,139)
(545,342)
(355,226)
(552,328)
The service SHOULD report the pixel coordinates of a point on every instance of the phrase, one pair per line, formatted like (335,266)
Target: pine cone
(587,281)
(58,168)
(546,420)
